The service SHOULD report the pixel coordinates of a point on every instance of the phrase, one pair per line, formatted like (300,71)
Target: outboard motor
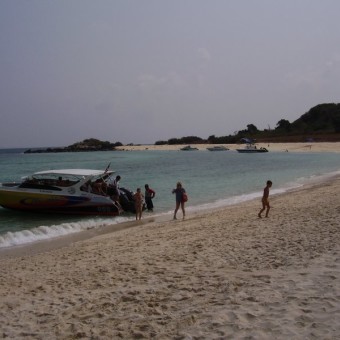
(126,200)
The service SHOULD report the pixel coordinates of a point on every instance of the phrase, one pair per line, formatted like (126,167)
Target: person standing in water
(180,202)
(138,197)
(113,189)
(149,195)
(265,200)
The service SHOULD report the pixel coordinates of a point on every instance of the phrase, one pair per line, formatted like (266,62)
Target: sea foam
(48,232)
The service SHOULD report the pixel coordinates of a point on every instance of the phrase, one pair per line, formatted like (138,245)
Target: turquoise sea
(212,179)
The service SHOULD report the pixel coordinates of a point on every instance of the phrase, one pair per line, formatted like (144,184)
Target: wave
(41,233)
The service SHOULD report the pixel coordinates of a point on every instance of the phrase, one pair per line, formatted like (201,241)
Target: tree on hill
(322,120)
(92,144)
(186,140)
(323,117)
(283,125)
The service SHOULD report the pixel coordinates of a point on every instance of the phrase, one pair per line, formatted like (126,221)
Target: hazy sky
(146,70)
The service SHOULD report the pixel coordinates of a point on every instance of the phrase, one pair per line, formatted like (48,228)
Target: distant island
(320,124)
(87,145)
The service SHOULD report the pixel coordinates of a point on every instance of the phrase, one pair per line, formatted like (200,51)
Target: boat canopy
(248,140)
(74,172)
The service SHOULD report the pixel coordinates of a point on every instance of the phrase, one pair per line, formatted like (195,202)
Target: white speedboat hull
(46,195)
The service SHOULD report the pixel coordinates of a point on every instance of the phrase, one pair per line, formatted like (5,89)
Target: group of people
(139,198)
(181,198)
(179,191)
(148,196)
(100,187)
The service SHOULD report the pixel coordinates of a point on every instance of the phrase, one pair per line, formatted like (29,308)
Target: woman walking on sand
(181,198)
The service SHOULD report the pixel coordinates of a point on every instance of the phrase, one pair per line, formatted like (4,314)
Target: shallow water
(212,179)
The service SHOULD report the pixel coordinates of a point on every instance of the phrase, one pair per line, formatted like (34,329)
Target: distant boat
(251,148)
(188,148)
(218,148)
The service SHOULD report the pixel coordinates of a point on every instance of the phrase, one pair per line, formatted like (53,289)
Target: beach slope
(225,274)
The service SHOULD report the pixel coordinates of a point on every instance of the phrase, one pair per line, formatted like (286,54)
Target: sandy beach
(277,147)
(225,274)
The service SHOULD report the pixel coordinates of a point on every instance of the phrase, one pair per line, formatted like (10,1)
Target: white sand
(291,147)
(224,275)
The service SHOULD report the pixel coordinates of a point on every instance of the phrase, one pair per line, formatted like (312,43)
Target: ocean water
(212,179)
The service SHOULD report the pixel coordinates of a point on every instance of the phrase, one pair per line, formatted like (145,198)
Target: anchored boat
(68,191)
(218,148)
(188,148)
(251,148)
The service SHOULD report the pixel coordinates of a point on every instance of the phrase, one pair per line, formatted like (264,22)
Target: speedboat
(218,148)
(251,148)
(68,191)
(188,148)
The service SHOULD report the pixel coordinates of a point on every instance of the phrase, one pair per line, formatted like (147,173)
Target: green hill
(321,118)
(321,123)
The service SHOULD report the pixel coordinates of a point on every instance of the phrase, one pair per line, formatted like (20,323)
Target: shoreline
(54,243)
(274,147)
(224,273)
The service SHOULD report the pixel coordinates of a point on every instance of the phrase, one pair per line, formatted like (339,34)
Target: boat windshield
(52,180)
